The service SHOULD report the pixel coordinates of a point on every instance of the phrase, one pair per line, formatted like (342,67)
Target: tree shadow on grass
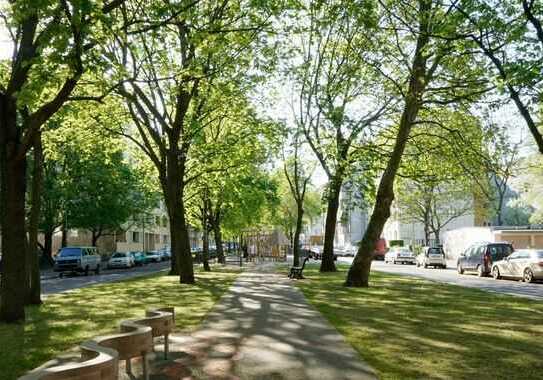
(67,319)
(411,328)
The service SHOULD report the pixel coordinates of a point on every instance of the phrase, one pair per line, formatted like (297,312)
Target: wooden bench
(297,272)
(100,356)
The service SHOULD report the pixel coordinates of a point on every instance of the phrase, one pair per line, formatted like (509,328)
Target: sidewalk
(263,329)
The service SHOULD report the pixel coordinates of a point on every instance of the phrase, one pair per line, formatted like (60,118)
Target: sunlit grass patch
(410,328)
(65,320)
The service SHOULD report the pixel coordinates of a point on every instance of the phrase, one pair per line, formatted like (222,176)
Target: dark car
(139,258)
(479,257)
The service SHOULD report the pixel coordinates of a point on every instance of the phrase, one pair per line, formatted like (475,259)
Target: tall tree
(285,215)
(298,176)
(170,57)
(422,65)
(52,42)
(339,98)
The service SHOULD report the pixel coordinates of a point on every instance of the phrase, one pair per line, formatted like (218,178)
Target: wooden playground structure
(264,245)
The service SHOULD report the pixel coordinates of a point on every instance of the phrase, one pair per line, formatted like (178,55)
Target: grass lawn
(410,328)
(64,320)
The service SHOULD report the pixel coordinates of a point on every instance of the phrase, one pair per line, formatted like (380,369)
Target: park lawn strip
(410,328)
(66,319)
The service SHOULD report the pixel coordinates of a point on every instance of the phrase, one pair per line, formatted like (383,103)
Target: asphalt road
(52,283)
(450,276)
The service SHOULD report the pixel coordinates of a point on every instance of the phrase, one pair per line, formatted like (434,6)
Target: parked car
(349,251)
(481,256)
(166,254)
(400,255)
(432,257)
(77,259)
(154,256)
(121,260)
(139,258)
(380,249)
(525,264)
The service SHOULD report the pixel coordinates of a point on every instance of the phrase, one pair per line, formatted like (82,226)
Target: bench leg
(128,366)
(166,346)
(145,365)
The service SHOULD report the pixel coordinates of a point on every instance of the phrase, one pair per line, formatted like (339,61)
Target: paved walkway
(263,329)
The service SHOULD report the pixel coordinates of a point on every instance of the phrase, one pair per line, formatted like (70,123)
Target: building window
(135,237)
(157,220)
(165,239)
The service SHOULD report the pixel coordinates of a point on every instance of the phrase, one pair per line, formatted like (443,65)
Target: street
(450,276)
(52,283)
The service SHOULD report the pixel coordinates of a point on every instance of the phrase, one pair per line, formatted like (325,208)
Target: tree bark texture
(205,244)
(33,264)
(299,219)
(218,240)
(13,221)
(327,263)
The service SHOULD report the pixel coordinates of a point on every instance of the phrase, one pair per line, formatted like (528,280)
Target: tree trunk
(95,236)
(218,240)
(48,246)
(12,208)
(186,271)
(426,234)
(173,189)
(427,226)
(437,233)
(296,249)
(64,230)
(205,244)
(499,213)
(33,264)
(359,271)
(327,264)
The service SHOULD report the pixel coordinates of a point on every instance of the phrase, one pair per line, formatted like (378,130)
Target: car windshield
(119,254)
(538,254)
(499,251)
(151,253)
(434,251)
(68,252)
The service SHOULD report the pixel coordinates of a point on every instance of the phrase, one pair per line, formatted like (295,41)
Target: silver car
(432,257)
(400,255)
(525,264)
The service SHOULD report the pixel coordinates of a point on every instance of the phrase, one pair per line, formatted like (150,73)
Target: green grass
(409,328)
(64,320)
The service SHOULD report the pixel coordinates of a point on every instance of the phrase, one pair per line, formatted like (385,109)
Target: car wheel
(480,272)
(87,270)
(528,275)
(496,273)
(61,274)
(425,266)
(459,269)
(97,270)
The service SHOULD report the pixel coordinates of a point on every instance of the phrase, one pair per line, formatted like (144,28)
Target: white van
(78,259)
